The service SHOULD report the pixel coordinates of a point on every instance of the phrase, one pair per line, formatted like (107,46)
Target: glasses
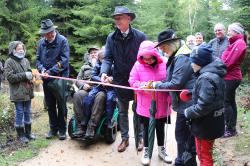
(152,58)
(218,30)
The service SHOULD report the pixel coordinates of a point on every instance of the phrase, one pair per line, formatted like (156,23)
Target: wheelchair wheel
(72,127)
(110,134)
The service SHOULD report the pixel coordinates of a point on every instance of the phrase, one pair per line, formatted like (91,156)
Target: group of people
(210,72)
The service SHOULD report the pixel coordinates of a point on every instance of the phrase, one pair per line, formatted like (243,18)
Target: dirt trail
(72,152)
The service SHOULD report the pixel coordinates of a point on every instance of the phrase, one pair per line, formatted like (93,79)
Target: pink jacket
(233,56)
(140,74)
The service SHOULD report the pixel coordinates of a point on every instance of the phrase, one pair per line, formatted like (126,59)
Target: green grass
(24,153)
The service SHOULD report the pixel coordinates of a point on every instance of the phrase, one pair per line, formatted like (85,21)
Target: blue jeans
(230,106)
(23,113)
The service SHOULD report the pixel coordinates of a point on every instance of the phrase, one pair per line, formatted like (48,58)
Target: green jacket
(21,89)
(84,74)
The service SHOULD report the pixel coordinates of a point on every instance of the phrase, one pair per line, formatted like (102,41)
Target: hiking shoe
(51,134)
(163,155)
(145,157)
(62,135)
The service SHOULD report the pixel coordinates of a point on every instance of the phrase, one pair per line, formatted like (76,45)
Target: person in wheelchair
(83,89)
(88,102)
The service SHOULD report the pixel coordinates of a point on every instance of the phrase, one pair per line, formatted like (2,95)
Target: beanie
(237,27)
(201,55)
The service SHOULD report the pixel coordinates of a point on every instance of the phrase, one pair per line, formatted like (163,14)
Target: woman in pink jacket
(150,66)
(233,57)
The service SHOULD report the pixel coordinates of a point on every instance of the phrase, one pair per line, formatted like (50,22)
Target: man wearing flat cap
(121,51)
(180,76)
(53,60)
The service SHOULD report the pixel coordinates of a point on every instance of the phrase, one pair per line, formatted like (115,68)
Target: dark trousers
(96,111)
(56,111)
(159,127)
(185,140)
(110,101)
(230,106)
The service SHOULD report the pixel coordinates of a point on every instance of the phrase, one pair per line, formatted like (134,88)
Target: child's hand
(86,87)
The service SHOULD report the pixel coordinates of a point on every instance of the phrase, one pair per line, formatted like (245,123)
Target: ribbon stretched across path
(107,84)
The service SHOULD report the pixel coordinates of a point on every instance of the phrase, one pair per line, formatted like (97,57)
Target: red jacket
(233,56)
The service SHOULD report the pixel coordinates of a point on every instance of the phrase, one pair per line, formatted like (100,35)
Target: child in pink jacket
(150,66)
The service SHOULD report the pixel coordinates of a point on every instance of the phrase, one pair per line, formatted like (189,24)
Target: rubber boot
(21,136)
(28,133)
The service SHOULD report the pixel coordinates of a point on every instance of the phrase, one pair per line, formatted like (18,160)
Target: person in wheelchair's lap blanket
(89,99)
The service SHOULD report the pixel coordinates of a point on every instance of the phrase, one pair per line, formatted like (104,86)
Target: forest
(88,22)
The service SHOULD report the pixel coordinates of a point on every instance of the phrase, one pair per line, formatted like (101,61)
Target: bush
(7,116)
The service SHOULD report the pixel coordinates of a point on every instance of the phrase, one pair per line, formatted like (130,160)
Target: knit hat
(202,55)
(237,27)
(13,45)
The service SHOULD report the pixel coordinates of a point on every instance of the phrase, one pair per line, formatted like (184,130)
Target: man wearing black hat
(121,50)
(179,76)
(53,59)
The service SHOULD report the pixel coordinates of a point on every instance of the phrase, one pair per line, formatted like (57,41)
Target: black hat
(202,55)
(166,36)
(47,26)
(123,10)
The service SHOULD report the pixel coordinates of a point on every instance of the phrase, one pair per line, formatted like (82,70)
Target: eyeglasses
(149,59)
(218,30)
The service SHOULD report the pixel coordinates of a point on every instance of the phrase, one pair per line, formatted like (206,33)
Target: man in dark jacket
(121,50)
(220,42)
(53,59)
(207,112)
(179,76)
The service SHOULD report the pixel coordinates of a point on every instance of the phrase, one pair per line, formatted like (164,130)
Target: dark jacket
(21,89)
(180,75)
(53,57)
(84,74)
(207,112)
(122,52)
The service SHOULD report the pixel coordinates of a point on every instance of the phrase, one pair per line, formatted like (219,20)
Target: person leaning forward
(179,76)
(121,50)
(53,59)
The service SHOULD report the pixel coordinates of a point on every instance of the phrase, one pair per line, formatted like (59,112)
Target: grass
(16,152)
(23,153)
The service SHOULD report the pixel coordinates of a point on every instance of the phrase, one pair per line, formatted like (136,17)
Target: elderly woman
(179,76)
(199,38)
(233,57)
(18,73)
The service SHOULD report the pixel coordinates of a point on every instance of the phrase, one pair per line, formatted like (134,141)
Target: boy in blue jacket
(207,113)
(89,99)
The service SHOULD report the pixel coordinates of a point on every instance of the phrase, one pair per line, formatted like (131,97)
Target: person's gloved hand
(28,75)
(149,85)
(185,95)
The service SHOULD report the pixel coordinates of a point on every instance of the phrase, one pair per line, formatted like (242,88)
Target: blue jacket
(207,112)
(53,57)
(122,52)
(180,76)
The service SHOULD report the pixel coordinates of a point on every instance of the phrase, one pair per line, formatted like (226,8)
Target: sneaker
(51,134)
(145,157)
(163,155)
(229,133)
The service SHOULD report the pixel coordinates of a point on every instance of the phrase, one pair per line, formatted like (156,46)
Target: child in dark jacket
(89,99)
(18,73)
(207,113)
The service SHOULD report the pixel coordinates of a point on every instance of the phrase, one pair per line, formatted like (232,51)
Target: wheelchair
(102,130)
